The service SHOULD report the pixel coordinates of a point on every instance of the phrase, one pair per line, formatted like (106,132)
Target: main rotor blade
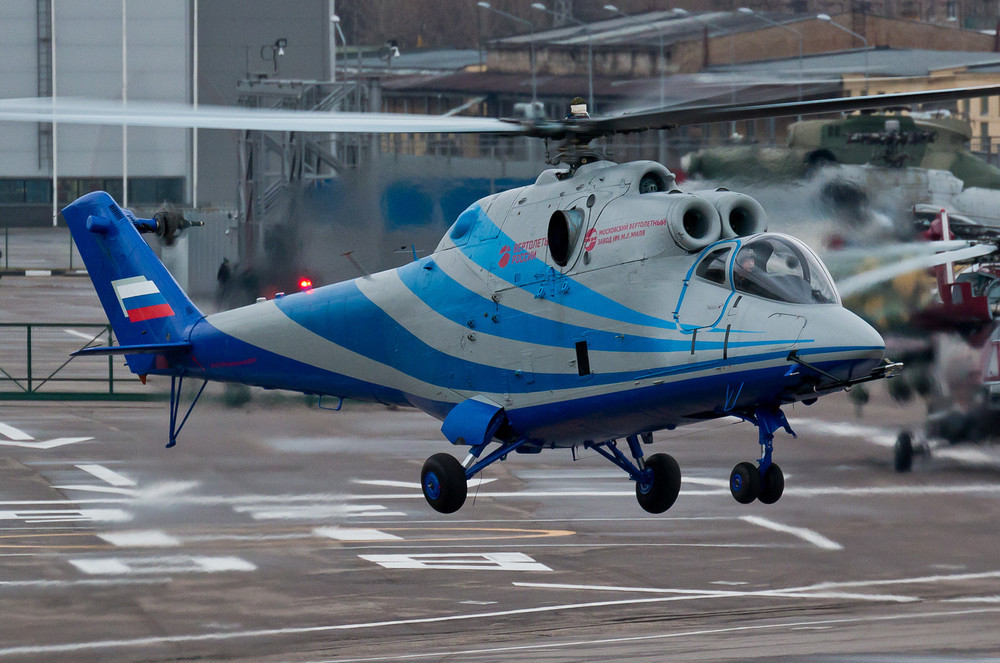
(668,118)
(160,114)
(867,280)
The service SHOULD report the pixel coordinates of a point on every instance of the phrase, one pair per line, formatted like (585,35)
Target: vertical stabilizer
(143,302)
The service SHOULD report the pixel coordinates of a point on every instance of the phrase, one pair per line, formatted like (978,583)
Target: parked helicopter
(598,304)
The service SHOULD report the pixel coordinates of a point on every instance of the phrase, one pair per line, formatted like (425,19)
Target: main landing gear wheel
(744,483)
(659,494)
(443,482)
(772,484)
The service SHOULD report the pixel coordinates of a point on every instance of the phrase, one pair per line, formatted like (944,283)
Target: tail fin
(143,302)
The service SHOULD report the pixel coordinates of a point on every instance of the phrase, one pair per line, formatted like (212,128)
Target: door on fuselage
(707,289)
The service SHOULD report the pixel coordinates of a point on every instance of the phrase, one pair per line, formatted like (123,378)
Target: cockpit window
(783,269)
(713,266)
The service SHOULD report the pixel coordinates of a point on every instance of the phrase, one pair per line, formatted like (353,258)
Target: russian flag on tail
(141,299)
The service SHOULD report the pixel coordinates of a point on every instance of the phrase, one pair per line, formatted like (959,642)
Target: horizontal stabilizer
(147,349)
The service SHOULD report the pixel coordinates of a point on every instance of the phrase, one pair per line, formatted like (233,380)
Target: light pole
(732,56)
(826,17)
(590,52)
(660,64)
(531,27)
(750,12)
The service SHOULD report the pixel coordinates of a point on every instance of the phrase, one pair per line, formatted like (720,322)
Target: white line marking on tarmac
(109,476)
(355,534)
(59,584)
(824,624)
(161,565)
(140,539)
(45,444)
(67,515)
(880,436)
(496,561)
(974,599)
(113,490)
(807,535)
(97,645)
(316,511)
(15,434)
(725,593)
(413,485)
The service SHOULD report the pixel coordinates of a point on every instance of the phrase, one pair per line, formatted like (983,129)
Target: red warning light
(305,284)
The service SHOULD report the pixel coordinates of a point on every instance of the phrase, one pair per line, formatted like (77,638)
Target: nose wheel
(764,481)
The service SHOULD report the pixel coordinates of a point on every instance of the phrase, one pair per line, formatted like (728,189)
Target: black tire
(660,494)
(744,483)
(903,452)
(772,485)
(443,483)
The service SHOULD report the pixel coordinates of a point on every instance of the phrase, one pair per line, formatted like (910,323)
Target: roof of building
(419,61)
(877,62)
(648,28)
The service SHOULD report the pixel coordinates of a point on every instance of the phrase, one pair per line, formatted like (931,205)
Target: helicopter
(597,305)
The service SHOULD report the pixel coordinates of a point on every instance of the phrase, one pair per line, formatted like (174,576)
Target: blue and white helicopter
(597,306)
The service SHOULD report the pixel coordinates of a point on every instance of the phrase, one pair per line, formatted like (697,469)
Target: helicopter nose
(851,346)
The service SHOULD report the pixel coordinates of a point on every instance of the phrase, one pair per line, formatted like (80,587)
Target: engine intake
(694,223)
(741,215)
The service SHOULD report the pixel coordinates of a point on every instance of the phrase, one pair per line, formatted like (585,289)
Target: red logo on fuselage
(590,240)
(504,256)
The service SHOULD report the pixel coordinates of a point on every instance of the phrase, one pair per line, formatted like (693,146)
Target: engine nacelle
(693,221)
(741,215)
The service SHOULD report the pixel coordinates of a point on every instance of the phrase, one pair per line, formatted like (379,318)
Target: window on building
(11,191)
(16,191)
(984,105)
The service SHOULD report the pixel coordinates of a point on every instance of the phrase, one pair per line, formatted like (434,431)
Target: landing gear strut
(657,479)
(445,481)
(765,481)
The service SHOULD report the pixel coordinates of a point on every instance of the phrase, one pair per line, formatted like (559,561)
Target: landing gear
(744,483)
(657,478)
(443,482)
(658,495)
(772,484)
(764,482)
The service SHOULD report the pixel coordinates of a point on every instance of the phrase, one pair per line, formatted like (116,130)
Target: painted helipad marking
(67,515)
(15,434)
(355,534)
(161,565)
(18,438)
(140,539)
(109,476)
(807,535)
(496,561)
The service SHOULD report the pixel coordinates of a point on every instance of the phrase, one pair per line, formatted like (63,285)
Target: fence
(36,364)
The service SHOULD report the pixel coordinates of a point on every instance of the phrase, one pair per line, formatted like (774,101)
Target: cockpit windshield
(782,268)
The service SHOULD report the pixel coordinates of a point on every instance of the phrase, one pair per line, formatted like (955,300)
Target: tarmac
(276,531)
